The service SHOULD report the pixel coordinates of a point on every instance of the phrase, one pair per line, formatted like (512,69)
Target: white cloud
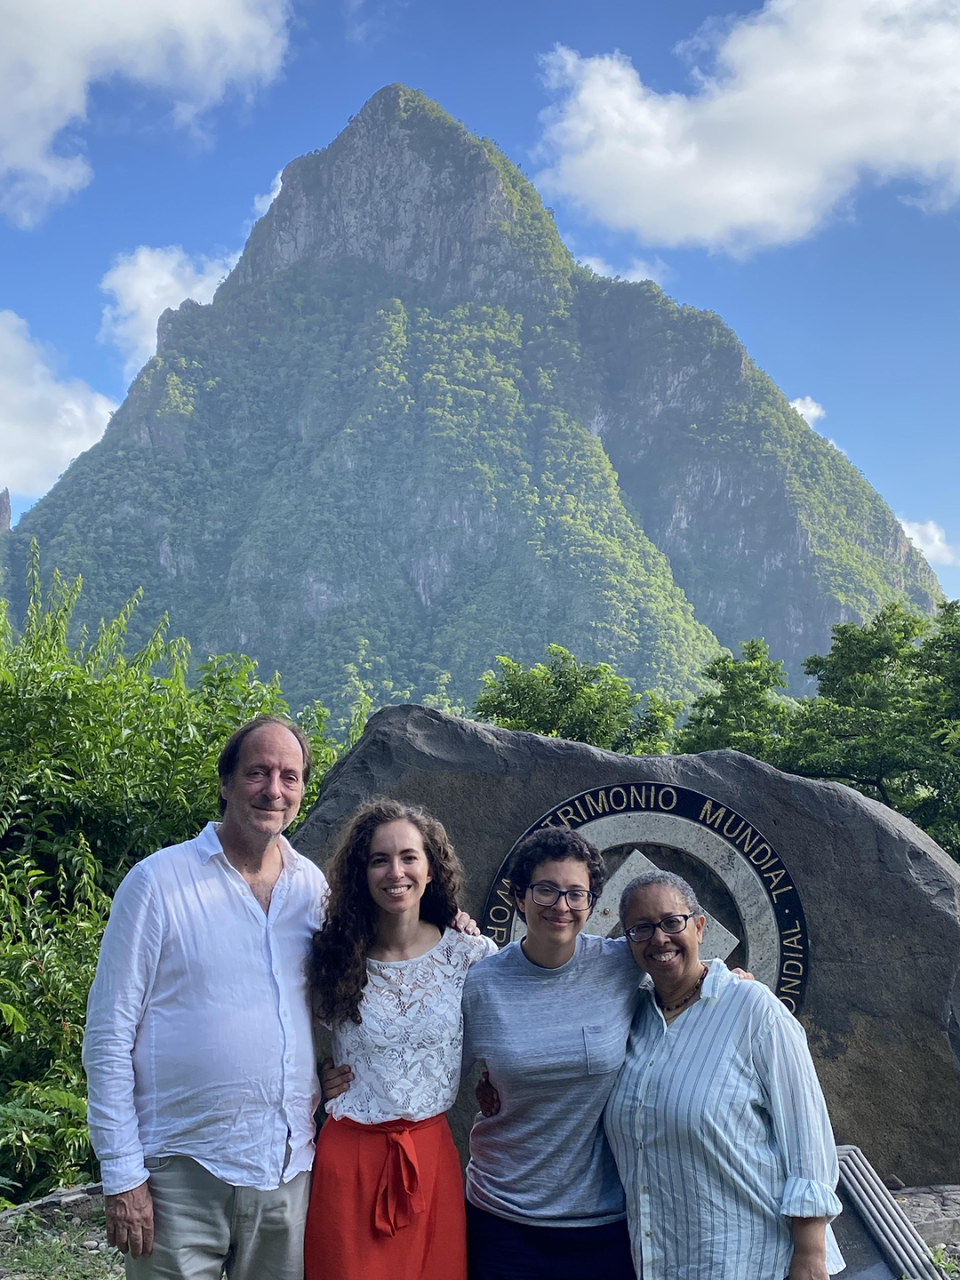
(144,283)
(931,538)
(262,203)
(44,422)
(812,412)
(809,410)
(364,21)
(356,22)
(639,269)
(191,51)
(801,102)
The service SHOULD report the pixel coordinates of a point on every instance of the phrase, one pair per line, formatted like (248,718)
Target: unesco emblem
(754,915)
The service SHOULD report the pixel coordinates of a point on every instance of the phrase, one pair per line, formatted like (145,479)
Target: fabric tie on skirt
(386,1203)
(399,1198)
(399,1195)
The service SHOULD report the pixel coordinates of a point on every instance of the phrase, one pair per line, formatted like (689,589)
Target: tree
(564,698)
(886,718)
(104,757)
(743,711)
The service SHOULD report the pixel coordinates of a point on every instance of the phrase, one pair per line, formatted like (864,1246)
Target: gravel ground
(76,1249)
(68,1247)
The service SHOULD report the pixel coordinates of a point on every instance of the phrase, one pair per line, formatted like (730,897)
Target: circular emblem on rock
(754,915)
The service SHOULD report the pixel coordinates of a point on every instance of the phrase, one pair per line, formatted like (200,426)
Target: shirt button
(652,1060)
(648,1233)
(289,1059)
(277,972)
(646,1191)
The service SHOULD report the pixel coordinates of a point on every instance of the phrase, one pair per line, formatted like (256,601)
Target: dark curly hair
(338,962)
(549,843)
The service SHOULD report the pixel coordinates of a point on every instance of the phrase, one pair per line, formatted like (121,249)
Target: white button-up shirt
(199,1033)
(721,1136)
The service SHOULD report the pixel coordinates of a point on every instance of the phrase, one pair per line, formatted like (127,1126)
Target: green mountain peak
(410,434)
(407,189)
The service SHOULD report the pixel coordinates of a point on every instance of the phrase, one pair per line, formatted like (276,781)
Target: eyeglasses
(545,895)
(669,924)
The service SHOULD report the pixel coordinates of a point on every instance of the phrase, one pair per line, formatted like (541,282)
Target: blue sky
(794,167)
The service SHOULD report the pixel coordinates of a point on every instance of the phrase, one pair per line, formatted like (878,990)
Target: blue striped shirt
(721,1135)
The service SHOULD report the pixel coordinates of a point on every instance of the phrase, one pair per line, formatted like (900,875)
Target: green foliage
(887,716)
(943,1259)
(653,731)
(114,753)
(104,757)
(743,710)
(564,698)
(49,940)
(885,719)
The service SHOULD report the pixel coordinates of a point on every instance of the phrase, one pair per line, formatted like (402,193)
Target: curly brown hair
(549,843)
(338,962)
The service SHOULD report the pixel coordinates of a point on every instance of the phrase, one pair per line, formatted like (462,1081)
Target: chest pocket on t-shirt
(606,1048)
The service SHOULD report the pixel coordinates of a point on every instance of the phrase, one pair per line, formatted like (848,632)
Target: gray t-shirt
(553,1041)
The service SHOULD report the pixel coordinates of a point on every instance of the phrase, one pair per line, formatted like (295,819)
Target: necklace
(669,1008)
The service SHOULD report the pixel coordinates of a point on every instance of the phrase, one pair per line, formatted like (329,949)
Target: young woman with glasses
(548,1017)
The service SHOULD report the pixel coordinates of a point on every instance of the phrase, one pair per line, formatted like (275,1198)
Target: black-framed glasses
(669,924)
(545,894)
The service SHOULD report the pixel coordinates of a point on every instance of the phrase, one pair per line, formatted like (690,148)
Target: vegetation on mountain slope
(410,433)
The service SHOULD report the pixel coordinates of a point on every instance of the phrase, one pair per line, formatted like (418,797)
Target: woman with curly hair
(387,972)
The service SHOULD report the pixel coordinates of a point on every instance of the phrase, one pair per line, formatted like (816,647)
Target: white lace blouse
(405,1054)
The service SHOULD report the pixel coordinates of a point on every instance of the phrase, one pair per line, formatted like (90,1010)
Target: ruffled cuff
(122,1174)
(805,1198)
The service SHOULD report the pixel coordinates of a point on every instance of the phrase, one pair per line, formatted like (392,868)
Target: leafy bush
(103,759)
(885,719)
(564,698)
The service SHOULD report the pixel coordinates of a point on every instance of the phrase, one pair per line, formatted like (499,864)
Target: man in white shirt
(199,1048)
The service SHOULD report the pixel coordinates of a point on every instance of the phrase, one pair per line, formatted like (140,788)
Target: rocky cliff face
(407,190)
(770,530)
(410,434)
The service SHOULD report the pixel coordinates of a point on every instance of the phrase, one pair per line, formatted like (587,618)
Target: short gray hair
(647,878)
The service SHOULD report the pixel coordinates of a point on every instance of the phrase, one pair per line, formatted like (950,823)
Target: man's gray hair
(647,878)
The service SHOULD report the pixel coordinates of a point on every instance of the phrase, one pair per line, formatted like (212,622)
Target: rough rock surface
(424,203)
(81,1202)
(934,1211)
(882,902)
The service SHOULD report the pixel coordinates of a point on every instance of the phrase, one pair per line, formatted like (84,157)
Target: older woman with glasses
(717,1122)
(548,1017)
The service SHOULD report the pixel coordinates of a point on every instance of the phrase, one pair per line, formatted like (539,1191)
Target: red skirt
(386,1203)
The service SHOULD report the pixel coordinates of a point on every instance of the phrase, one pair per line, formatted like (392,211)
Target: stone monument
(848,911)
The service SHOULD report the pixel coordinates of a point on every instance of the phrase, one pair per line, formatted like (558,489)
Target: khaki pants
(205,1228)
